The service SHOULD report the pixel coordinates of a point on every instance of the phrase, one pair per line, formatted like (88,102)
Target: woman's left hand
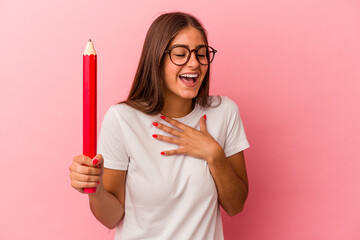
(192,142)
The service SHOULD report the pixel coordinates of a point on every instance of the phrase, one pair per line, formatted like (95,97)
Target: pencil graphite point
(89,40)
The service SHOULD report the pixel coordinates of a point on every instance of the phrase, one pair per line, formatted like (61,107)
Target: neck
(177,109)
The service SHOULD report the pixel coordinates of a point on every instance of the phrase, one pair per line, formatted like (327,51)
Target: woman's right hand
(86,172)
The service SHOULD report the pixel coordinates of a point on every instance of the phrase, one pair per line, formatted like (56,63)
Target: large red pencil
(89,103)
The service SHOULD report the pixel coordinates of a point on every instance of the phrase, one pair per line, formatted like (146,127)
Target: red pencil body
(89,108)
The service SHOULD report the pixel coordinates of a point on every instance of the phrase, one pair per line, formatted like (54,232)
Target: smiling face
(183,82)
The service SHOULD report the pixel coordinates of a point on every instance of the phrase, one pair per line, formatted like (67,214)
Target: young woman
(170,154)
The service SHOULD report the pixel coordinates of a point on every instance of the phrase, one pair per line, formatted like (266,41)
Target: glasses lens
(204,55)
(179,55)
(211,54)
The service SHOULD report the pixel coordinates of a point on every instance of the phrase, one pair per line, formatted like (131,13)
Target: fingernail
(155,124)
(205,116)
(163,117)
(155,135)
(162,153)
(95,161)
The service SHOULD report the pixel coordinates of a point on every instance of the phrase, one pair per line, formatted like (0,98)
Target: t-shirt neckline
(189,116)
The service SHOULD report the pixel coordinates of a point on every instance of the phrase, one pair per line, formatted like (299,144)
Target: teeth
(189,75)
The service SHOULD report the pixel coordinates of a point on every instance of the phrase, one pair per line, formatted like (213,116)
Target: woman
(170,154)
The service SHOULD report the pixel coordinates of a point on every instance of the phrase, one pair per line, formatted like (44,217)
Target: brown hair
(145,94)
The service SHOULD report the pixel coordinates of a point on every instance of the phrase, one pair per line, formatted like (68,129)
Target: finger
(84,178)
(173,152)
(97,161)
(176,123)
(80,185)
(83,159)
(79,189)
(167,129)
(85,170)
(203,124)
(167,139)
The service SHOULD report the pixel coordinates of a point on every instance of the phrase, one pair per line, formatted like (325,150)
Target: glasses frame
(195,50)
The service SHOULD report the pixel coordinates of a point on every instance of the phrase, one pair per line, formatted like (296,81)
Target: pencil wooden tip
(89,49)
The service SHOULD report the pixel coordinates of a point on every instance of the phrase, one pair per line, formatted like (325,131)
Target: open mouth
(189,79)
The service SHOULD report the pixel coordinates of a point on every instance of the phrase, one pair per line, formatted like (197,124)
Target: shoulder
(121,110)
(121,107)
(127,116)
(223,103)
(120,118)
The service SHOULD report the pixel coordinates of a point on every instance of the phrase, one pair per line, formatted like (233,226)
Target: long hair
(146,91)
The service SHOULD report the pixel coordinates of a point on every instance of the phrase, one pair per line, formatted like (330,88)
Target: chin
(189,95)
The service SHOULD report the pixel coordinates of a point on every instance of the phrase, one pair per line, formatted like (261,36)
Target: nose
(193,62)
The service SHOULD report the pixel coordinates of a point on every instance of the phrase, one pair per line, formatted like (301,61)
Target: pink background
(293,67)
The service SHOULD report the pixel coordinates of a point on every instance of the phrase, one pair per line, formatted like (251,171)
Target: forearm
(232,190)
(106,207)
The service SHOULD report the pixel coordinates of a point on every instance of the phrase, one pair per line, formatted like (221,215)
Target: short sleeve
(235,140)
(110,143)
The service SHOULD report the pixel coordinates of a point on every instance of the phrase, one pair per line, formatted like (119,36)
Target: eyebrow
(187,46)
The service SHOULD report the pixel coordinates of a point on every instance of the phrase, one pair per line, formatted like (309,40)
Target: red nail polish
(163,117)
(162,153)
(155,124)
(95,161)
(155,135)
(205,116)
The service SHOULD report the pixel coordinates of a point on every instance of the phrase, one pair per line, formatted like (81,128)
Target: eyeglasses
(180,54)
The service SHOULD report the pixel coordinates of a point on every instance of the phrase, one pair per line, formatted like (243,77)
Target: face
(183,82)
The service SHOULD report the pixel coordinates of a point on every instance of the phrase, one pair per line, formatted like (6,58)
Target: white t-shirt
(168,197)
